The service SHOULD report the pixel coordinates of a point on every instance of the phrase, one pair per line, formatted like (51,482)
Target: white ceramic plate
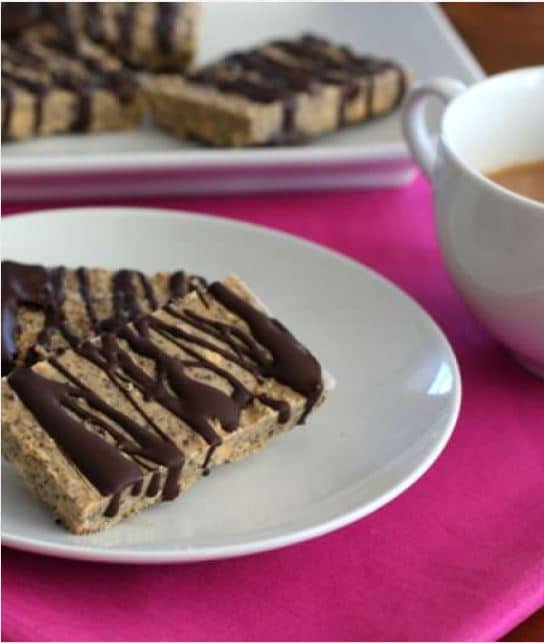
(149,162)
(394,408)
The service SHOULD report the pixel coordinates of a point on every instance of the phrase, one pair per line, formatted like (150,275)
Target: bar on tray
(286,91)
(154,36)
(46,90)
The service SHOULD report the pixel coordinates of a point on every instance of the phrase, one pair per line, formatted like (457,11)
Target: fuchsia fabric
(459,556)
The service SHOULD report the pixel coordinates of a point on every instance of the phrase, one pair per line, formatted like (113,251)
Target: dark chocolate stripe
(196,401)
(164,25)
(54,318)
(21,54)
(103,464)
(349,93)
(7,110)
(93,21)
(84,291)
(37,88)
(240,393)
(36,287)
(61,14)
(148,291)
(179,284)
(292,363)
(23,81)
(401,91)
(252,89)
(283,409)
(316,52)
(125,24)
(125,301)
(227,333)
(273,70)
(180,334)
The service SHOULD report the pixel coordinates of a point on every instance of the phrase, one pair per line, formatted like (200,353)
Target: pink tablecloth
(459,556)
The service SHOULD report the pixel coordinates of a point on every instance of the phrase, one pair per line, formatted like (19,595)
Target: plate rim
(293,535)
(205,159)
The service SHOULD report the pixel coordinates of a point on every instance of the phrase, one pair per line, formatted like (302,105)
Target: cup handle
(414,127)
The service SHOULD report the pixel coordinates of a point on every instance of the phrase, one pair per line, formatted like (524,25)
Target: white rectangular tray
(149,162)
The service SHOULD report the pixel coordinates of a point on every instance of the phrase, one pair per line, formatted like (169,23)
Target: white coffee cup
(492,239)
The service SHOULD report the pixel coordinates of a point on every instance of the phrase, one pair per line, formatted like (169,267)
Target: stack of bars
(72,66)
(137,413)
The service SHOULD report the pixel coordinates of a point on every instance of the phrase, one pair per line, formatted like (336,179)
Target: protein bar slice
(286,91)
(130,418)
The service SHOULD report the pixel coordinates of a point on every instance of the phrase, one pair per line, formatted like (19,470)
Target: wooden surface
(504,36)
(531,630)
(501,35)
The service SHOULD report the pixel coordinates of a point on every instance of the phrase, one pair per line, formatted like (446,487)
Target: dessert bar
(286,91)
(132,417)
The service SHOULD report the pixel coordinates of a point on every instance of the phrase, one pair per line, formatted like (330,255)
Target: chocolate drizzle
(284,412)
(53,312)
(125,25)
(62,13)
(38,288)
(7,109)
(26,71)
(166,15)
(84,291)
(179,284)
(93,21)
(33,287)
(36,87)
(99,461)
(125,301)
(291,362)
(148,291)
(84,112)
